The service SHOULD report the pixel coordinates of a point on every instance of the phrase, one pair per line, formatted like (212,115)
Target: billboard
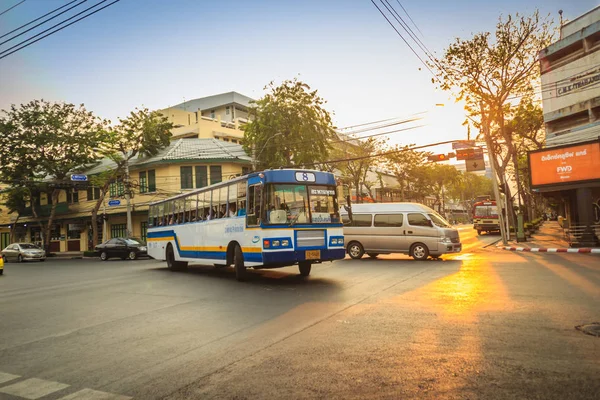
(565,164)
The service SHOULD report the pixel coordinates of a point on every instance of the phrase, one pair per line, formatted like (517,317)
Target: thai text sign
(565,164)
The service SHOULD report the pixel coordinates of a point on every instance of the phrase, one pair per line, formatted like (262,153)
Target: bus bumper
(294,256)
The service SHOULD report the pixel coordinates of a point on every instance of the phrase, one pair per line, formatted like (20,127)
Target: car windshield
(133,241)
(290,204)
(28,246)
(438,220)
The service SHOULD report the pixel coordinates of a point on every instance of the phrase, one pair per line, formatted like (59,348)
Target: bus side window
(253,205)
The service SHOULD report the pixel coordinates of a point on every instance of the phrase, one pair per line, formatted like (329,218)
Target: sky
(157,53)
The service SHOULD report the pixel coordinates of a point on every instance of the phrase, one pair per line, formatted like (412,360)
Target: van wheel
(419,251)
(238,264)
(355,250)
(479,232)
(304,267)
(171,263)
(373,255)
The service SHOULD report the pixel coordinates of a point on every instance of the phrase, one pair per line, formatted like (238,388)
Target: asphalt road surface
(485,323)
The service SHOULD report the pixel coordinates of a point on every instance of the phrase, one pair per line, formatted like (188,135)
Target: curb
(551,250)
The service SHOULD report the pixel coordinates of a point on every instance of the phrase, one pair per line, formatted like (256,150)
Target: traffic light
(440,157)
(469,154)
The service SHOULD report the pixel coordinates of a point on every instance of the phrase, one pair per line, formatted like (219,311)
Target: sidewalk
(550,238)
(66,255)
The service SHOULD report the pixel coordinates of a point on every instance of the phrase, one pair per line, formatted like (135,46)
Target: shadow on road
(269,277)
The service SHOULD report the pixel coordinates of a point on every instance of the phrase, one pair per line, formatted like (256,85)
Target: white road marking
(89,394)
(4,377)
(33,388)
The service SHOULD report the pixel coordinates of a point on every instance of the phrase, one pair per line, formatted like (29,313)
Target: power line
(41,23)
(10,8)
(405,41)
(385,153)
(61,28)
(409,17)
(37,19)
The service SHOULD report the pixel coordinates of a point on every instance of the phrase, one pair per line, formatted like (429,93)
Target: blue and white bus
(269,219)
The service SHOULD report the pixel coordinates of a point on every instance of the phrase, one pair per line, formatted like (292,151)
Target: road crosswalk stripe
(89,394)
(4,377)
(33,388)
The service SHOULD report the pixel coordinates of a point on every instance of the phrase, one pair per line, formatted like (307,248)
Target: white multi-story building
(568,169)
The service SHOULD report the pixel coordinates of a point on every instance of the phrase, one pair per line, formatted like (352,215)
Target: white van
(409,228)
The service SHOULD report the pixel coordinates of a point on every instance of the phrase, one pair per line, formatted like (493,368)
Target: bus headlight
(275,243)
(285,243)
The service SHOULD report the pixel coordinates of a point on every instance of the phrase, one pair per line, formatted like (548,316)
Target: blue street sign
(114,203)
(79,178)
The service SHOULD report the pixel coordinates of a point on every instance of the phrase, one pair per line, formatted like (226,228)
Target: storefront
(570,174)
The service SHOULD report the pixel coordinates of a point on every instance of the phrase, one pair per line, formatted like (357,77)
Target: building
(568,169)
(220,116)
(185,164)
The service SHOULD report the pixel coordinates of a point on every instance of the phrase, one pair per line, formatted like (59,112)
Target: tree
(442,176)
(15,201)
(44,141)
(142,133)
(405,164)
(288,126)
(488,73)
(361,159)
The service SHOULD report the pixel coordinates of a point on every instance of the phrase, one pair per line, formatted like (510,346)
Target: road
(485,323)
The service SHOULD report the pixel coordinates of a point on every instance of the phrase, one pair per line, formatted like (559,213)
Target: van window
(416,219)
(360,220)
(389,220)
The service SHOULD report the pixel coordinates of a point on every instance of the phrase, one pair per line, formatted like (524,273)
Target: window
(225,140)
(253,209)
(72,196)
(93,193)
(118,230)
(358,220)
(215,174)
(151,181)
(227,110)
(245,170)
(233,141)
(416,219)
(186,177)
(201,176)
(143,179)
(144,230)
(212,114)
(388,220)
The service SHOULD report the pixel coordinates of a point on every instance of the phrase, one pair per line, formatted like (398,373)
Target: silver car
(20,252)
(409,228)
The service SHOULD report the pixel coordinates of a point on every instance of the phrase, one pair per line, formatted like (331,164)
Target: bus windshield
(486,211)
(295,203)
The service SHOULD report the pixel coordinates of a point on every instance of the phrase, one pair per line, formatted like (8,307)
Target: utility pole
(254,157)
(492,158)
(127,201)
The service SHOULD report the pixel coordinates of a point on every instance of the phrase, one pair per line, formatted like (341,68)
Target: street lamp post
(264,146)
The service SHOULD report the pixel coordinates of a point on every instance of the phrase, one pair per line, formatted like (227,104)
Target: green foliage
(359,154)
(407,165)
(42,139)
(289,126)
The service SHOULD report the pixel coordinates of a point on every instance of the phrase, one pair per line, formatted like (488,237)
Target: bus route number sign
(305,177)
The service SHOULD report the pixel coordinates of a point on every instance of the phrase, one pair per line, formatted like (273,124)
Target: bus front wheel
(238,264)
(172,264)
(304,267)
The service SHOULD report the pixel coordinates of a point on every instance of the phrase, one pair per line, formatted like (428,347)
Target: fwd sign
(566,168)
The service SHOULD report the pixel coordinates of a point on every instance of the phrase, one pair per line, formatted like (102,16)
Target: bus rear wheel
(238,264)
(304,267)
(172,264)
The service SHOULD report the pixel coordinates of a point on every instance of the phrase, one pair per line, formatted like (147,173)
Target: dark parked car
(23,252)
(124,248)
